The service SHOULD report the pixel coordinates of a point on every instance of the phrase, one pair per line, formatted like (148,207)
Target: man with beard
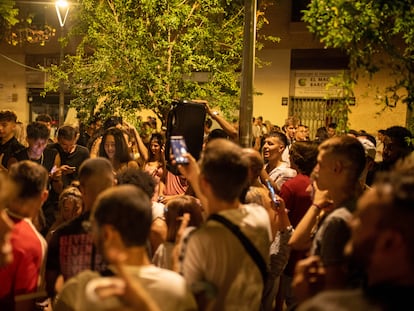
(381,243)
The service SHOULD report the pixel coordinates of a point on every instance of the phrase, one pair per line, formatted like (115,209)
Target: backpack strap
(247,244)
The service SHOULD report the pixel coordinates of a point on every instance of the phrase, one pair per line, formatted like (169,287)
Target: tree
(8,14)
(146,53)
(376,35)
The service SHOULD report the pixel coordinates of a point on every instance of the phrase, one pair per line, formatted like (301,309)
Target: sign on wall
(314,83)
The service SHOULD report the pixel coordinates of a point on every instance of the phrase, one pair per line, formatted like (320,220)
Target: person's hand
(67,169)
(55,173)
(190,171)
(309,278)
(320,197)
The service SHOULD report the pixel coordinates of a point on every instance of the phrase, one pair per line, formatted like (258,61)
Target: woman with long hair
(115,148)
(156,165)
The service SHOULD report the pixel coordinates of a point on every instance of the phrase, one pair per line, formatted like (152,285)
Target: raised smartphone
(272,193)
(179,147)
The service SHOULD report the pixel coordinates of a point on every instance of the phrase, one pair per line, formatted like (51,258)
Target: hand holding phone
(179,148)
(272,193)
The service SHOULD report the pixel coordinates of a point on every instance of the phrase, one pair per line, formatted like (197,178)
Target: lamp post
(246,98)
(62,10)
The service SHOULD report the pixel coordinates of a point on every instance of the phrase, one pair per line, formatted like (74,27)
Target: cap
(369,147)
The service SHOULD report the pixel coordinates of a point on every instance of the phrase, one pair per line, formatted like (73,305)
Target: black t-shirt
(71,249)
(9,149)
(75,159)
(47,160)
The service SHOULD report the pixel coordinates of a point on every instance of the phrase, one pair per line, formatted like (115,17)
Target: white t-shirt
(215,260)
(282,173)
(167,288)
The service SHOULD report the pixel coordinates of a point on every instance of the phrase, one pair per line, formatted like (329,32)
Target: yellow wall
(368,113)
(273,81)
(13,87)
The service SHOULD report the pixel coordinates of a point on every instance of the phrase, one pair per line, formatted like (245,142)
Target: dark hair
(67,132)
(225,168)
(321,134)
(217,133)
(128,209)
(303,155)
(37,130)
(159,138)
(44,117)
(175,208)
(350,149)
(354,132)
(399,135)
(138,177)
(371,138)
(8,115)
(209,123)
(112,122)
(281,136)
(30,177)
(121,148)
(332,125)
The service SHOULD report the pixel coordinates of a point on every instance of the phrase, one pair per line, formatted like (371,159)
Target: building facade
(293,82)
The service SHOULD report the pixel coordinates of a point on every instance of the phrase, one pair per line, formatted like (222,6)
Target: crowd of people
(97,221)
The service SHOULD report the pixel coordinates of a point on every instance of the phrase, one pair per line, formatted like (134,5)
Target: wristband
(317,206)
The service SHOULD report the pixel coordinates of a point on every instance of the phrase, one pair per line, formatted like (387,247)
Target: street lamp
(62,10)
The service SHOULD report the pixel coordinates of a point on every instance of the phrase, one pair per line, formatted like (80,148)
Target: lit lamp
(62,10)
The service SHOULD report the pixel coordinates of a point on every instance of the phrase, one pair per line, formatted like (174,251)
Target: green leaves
(145,53)
(375,34)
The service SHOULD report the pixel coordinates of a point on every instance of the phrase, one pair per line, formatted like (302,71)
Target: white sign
(310,83)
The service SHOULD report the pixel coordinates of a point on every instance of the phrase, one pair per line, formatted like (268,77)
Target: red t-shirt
(24,274)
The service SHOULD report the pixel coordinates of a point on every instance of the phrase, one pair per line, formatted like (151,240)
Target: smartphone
(272,193)
(179,147)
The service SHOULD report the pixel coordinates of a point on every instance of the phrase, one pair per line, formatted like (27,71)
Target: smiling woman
(114,147)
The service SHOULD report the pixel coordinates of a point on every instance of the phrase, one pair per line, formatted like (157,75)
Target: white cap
(369,147)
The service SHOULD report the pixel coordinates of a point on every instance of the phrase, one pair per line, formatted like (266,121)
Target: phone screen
(179,147)
(272,193)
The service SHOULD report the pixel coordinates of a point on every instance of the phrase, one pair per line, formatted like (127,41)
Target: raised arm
(142,149)
(224,124)
(191,172)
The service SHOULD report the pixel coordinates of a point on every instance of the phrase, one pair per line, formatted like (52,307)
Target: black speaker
(185,118)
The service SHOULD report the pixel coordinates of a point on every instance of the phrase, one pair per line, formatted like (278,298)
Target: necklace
(36,160)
